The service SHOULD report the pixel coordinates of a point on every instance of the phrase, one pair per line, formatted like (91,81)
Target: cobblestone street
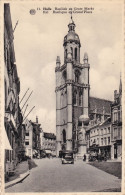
(51,176)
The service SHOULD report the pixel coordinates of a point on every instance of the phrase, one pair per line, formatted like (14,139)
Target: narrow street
(51,176)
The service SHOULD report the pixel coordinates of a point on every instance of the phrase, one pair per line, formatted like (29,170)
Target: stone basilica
(73,104)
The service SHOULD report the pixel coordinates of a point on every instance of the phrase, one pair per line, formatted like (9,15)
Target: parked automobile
(96,156)
(67,157)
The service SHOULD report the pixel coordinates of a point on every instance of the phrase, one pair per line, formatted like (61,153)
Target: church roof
(100,105)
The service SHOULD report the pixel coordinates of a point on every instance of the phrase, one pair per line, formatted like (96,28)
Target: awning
(48,151)
(7,145)
(35,152)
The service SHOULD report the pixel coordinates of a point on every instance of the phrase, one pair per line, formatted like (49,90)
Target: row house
(13,118)
(100,138)
(48,142)
(32,138)
(99,112)
(104,134)
(116,110)
(29,138)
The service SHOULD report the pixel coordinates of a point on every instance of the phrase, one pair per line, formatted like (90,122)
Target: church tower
(72,91)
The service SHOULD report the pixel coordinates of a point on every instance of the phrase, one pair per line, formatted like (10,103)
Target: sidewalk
(21,172)
(114,160)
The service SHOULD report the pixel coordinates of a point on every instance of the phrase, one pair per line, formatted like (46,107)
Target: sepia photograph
(62,106)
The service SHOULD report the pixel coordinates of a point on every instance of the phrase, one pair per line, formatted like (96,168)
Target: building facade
(36,137)
(13,117)
(29,138)
(100,138)
(48,143)
(116,116)
(33,138)
(72,90)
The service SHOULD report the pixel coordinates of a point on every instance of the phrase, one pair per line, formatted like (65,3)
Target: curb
(19,179)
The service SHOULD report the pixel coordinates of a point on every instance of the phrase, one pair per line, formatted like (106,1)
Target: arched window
(80,98)
(64,75)
(71,51)
(64,136)
(75,53)
(75,98)
(77,74)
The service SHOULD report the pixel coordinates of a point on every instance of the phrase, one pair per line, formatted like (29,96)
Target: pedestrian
(84,157)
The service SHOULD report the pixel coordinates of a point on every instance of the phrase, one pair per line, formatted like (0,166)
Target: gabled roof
(99,104)
(106,122)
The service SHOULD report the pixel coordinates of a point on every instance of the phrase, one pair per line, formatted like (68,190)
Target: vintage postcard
(61,97)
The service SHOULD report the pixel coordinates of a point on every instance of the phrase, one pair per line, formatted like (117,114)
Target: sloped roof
(99,103)
(49,135)
(106,122)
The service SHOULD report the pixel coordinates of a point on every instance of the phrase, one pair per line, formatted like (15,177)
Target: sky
(38,40)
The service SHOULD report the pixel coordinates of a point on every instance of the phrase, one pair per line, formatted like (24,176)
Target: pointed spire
(71,24)
(120,85)
(71,19)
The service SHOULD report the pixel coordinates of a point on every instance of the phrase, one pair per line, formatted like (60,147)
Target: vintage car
(67,157)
